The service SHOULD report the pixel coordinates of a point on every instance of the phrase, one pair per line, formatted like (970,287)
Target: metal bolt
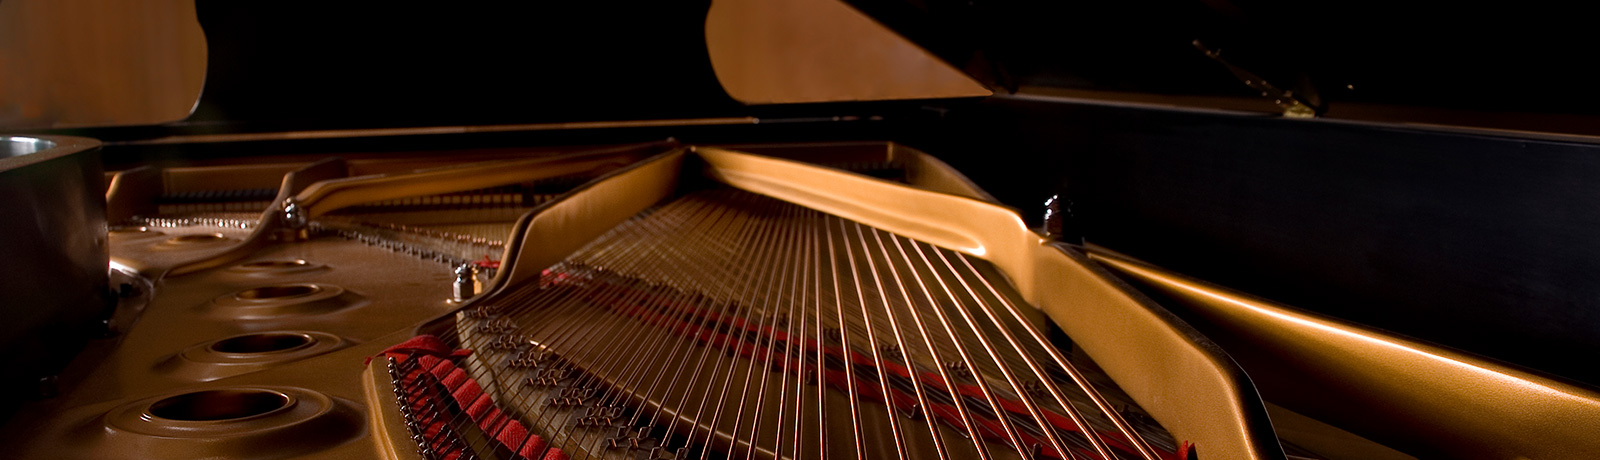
(294,216)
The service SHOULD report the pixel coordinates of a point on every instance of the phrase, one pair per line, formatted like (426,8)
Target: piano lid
(346,66)
(282,66)
(273,66)
(1493,65)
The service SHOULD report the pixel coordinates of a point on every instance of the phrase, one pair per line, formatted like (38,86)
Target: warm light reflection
(1352,341)
(122,268)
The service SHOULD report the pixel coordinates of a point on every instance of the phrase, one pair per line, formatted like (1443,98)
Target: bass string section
(725,324)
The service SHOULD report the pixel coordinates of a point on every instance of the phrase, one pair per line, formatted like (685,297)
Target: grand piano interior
(1163,229)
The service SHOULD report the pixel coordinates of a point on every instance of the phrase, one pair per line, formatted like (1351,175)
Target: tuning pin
(1036,389)
(914,412)
(959,369)
(891,351)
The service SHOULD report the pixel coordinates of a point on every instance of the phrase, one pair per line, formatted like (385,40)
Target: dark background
(1483,243)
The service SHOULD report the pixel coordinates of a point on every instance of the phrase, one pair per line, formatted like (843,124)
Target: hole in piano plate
(262,343)
(200,238)
(248,422)
(246,353)
(276,264)
(276,267)
(213,405)
(286,299)
(277,292)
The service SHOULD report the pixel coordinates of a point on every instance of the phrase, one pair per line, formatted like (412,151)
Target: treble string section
(1009,429)
(1038,373)
(563,293)
(637,370)
(793,354)
(645,262)
(873,342)
(923,405)
(460,418)
(813,238)
(566,288)
(608,407)
(1011,378)
(694,316)
(796,290)
(619,334)
(844,339)
(1131,435)
(547,314)
(703,329)
(766,316)
(670,244)
(948,380)
(526,300)
(748,294)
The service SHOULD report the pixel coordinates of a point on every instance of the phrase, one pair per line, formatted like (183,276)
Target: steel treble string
(746,301)
(944,371)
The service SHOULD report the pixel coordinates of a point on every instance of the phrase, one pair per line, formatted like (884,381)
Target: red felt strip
(427,362)
(434,359)
(421,345)
(512,434)
(491,421)
(533,446)
(468,392)
(494,424)
(455,379)
(479,407)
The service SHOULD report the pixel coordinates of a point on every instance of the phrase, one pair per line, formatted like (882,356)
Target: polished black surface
(1498,57)
(1478,242)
